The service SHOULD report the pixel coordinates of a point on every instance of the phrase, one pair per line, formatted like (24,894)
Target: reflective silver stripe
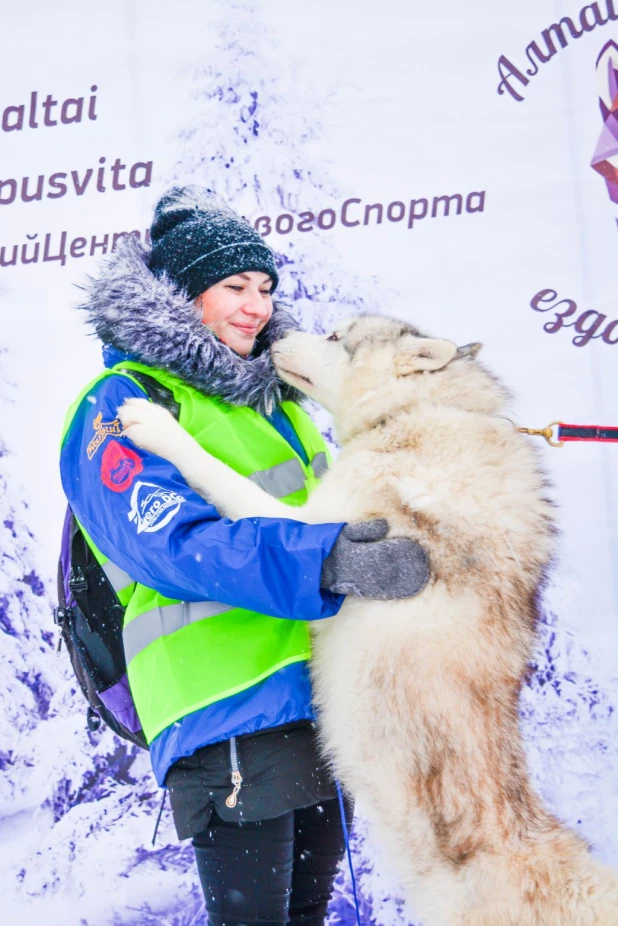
(118,578)
(160,622)
(281,480)
(319,464)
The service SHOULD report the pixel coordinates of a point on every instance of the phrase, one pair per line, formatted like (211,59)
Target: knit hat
(198,240)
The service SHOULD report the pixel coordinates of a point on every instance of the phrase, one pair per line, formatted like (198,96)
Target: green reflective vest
(182,656)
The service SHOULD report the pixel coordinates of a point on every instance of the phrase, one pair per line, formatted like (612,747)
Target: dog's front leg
(153,428)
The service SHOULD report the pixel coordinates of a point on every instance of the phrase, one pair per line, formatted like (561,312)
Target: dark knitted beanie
(198,240)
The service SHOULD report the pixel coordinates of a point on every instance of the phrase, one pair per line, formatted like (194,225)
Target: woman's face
(237,308)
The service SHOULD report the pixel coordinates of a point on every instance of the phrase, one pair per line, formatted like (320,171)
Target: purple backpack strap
(65,597)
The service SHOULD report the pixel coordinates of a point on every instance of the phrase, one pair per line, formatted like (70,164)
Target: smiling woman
(238,308)
(215,632)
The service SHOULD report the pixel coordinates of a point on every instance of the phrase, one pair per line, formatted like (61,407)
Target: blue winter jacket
(200,555)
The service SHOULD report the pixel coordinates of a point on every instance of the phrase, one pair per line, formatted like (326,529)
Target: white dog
(417,699)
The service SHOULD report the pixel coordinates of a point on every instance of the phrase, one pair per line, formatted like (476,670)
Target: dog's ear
(469,350)
(419,355)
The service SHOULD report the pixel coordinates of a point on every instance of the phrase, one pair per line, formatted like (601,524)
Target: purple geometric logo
(605,159)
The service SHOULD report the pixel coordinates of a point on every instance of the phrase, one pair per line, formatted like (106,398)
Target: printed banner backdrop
(456,165)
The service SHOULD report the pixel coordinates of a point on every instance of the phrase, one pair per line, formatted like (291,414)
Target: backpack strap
(62,601)
(78,576)
(159,394)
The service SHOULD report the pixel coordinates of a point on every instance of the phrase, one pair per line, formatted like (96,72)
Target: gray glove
(364,564)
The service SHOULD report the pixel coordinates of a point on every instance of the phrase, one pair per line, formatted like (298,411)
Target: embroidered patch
(153,507)
(119,466)
(102,429)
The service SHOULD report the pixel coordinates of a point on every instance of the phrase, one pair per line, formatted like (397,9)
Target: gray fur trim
(154,321)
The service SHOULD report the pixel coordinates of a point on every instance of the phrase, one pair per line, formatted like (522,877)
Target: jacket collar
(148,319)
(112,356)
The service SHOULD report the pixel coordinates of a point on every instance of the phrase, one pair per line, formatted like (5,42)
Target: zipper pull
(237,782)
(59,647)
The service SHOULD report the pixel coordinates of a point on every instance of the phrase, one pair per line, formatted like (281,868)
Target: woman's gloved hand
(363,563)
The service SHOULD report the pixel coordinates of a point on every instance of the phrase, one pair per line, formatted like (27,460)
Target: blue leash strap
(156,829)
(346,837)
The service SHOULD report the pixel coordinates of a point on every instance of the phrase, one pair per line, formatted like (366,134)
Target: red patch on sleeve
(119,466)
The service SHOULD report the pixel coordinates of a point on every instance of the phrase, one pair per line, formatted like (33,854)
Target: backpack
(90,618)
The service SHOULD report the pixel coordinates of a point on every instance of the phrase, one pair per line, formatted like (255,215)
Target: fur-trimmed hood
(149,318)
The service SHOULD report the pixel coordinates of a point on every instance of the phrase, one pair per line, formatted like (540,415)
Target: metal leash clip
(547,433)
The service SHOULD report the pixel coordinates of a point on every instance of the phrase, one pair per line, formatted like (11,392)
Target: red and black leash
(573,432)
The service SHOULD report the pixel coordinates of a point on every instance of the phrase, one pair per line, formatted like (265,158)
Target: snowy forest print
(77,808)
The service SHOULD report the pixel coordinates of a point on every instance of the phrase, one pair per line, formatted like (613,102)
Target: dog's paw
(148,425)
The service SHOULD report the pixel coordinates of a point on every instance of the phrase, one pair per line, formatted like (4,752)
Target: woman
(215,633)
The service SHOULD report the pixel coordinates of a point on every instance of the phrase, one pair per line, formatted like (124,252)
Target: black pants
(274,871)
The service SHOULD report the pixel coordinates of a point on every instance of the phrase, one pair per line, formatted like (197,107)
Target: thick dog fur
(418,699)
